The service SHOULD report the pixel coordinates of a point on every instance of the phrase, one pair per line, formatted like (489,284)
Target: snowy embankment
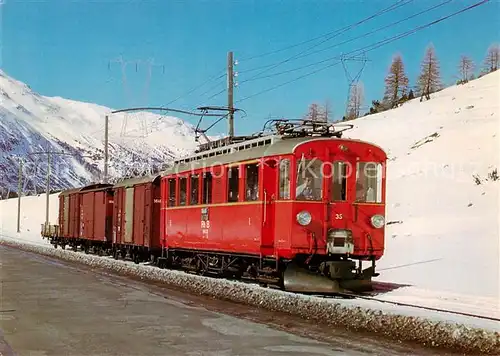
(400,323)
(443,198)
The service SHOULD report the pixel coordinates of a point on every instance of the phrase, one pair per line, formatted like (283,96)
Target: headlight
(377,221)
(304,218)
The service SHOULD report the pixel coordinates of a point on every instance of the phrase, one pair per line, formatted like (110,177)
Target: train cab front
(339,213)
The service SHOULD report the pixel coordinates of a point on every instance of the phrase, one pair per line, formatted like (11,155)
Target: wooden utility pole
(106,139)
(19,192)
(230,88)
(47,193)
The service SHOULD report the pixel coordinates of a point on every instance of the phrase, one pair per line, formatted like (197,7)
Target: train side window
(194,199)
(252,182)
(207,188)
(171,192)
(368,182)
(232,184)
(339,181)
(182,190)
(285,179)
(309,179)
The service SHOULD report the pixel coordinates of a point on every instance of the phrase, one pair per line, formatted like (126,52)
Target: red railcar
(136,218)
(283,209)
(96,213)
(85,217)
(69,213)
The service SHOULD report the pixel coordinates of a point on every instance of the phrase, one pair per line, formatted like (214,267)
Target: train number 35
(338,217)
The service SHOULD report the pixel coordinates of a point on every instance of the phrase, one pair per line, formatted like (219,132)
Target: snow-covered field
(445,244)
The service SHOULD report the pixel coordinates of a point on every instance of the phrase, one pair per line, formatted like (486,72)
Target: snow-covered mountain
(30,122)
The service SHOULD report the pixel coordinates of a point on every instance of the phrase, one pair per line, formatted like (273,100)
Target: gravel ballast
(424,329)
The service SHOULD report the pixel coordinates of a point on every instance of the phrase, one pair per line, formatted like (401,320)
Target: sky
(148,53)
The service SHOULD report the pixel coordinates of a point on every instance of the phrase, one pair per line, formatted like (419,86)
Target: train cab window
(232,184)
(339,181)
(182,190)
(285,179)
(194,199)
(207,188)
(368,182)
(309,179)
(252,182)
(171,192)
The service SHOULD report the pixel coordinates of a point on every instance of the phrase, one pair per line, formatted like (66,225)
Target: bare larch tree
(466,69)
(396,83)
(429,79)
(492,60)
(327,111)
(356,98)
(313,113)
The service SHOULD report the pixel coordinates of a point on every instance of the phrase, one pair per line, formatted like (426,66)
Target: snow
(467,334)
(445,242)
(30,122)
(448,241)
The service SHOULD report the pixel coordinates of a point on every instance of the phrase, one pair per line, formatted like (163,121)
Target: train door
(337,190)
(269,193)
(147,214)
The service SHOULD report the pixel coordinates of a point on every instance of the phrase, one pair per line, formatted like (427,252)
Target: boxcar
(136,218)
(96,216)
(69,216)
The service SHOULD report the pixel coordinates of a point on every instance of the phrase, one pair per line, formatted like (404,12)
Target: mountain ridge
(29,122)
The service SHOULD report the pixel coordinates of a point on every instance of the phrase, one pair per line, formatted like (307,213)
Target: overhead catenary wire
(192,90)
(367,48)
(344,42)
(333,35)
(211,88)
(321,36)
(216,94)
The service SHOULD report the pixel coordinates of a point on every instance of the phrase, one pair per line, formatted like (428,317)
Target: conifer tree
(396,82)
(465,68)
(356,98)
(492,60)
(429,79)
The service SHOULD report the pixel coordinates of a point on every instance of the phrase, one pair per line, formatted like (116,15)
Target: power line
(335,34)
(212,78)
(329,36)
(379,29)
(211,88)
(344,42)
(321,36)
(367,48)
(217,94)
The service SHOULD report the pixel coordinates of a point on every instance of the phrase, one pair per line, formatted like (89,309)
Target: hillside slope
(446,230)
(30,122)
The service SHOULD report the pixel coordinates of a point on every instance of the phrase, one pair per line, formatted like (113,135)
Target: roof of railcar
(87,188)
(69,191)
(278,147)
(134,181)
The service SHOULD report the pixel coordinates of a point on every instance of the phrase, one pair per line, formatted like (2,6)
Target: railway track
(371,298)
(379,288)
